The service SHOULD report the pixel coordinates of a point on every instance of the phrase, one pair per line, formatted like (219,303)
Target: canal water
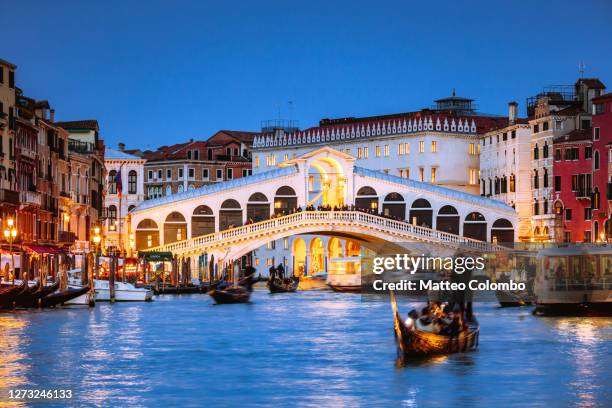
(303,349)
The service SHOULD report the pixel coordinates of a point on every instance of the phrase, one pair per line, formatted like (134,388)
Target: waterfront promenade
(303,349)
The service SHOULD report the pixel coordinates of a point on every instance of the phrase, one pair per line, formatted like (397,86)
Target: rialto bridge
(232,218)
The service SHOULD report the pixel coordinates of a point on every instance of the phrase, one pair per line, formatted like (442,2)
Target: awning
(44,249)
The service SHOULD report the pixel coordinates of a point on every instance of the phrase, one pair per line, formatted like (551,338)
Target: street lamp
(97,238)
(10,233)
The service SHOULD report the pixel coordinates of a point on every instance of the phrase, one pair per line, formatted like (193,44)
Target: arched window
(545,150)
(536,179)
(545,178)
(536,207)
(131,207)
(111,212)
(512,183)
(536,154)
(168,189)
(112,184)
(596,160)
(132,182)
(545,206)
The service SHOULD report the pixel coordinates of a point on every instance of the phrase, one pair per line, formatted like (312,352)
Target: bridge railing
(316,217)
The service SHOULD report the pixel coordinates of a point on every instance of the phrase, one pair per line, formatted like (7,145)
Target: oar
(396,321)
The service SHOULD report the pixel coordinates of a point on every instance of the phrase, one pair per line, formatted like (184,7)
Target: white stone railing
(309,218)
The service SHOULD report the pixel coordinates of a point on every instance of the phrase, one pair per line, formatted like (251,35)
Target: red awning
(44,249)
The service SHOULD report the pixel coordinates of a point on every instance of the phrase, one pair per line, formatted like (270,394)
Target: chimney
(121,147)
(512,109)
(52,116)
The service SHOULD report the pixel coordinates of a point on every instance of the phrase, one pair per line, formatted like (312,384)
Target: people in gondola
(272,272)
(435,319)
(280,269)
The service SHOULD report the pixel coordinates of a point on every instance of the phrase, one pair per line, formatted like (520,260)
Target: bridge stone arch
(448,220)
(394,206)
(202,221)
(475,226)
(258,207)
(285,200)
(366,199)
(175,227)
(230,214)
(421,213)
(502,231)
(147,234)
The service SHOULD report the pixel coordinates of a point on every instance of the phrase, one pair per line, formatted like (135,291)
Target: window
(285,243)
(256,162)
(536,153)
(536,179)
(112,184)
(112,213)
(545,151)
(400,149)
(434,146)
(545,126)
(271,244)
(180,173)
(407,148)
(365,152)
(271,160)
(230,174)
(545,178)
(512,183)
(11,83)
(189,154)
(286,157)
(150,175)
(536,207)
(191,173)
(536,128)
(196,154)
(588,152)
(587,236)
(557,154)
(545,206)
(585,124)
(377,151)
(433,174)
(421,147)
(205,174)
(505,136)
(596,133)
(1,75)
(159,174)
(421,174)
(558,125)
(132,182)
(473,176)
(588,213)
(514,134)
(387,150)
(557,183)
(359,153)
(169,174)
(246,172)
(219,174)
(596,160)
(472,149)
(568,214)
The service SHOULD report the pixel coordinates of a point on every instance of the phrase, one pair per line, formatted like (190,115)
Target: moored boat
(345,288)
(283,285)
(233,294)
(9,294)
(509,298)
(412,342)
(574,280)
(32,299)
(64,296)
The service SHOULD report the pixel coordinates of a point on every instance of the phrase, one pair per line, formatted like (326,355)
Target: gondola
(414,343)
(233,294)
(32,299)
(63,296)
(345,288)
(8,294)
(283,286)
(507,298)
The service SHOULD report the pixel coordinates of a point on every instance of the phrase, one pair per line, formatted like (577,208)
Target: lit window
(256,261)
(256,161)
(434,146)
(366,152)
(377,151)
(386,150)
(286,156)
(474,175)
(407,173)
(472,149)
(407,148)
(421,147)
(359,152)
(433,174)
(401,172)
(285,243)
(400,149)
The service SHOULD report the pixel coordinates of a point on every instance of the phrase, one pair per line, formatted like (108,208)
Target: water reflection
(13,369)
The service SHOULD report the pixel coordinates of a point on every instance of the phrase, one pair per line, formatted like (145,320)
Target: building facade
(602,170)
(120,200)
(505,162)
(9,197)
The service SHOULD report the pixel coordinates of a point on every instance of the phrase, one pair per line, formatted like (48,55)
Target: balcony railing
(78,146)
(30,197)
(67,236)
(583,193)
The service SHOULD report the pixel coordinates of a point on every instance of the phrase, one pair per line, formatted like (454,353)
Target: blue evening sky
(160,72)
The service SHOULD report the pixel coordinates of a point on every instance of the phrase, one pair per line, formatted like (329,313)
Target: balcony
(67,236)
(30,197)
(583,194)
(9,196)
(78,146)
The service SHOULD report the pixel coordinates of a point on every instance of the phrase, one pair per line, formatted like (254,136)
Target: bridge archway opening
(175,228)
(448,220)
(334,248)
(230,214)
(502,231)
(366,199)
(394,206)
(421,213)
(317,256)
(258,207)
(353,248)
(299,256)
(326,182)
(202,221)
(147,234)
(475,226)
(285,201)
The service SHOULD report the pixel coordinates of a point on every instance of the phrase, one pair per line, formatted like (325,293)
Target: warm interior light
(7,233)
(10,222)
(96,230)
(14,233)
(97,239)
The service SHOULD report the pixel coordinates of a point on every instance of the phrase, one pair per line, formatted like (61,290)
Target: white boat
(574,279)
(124,291)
